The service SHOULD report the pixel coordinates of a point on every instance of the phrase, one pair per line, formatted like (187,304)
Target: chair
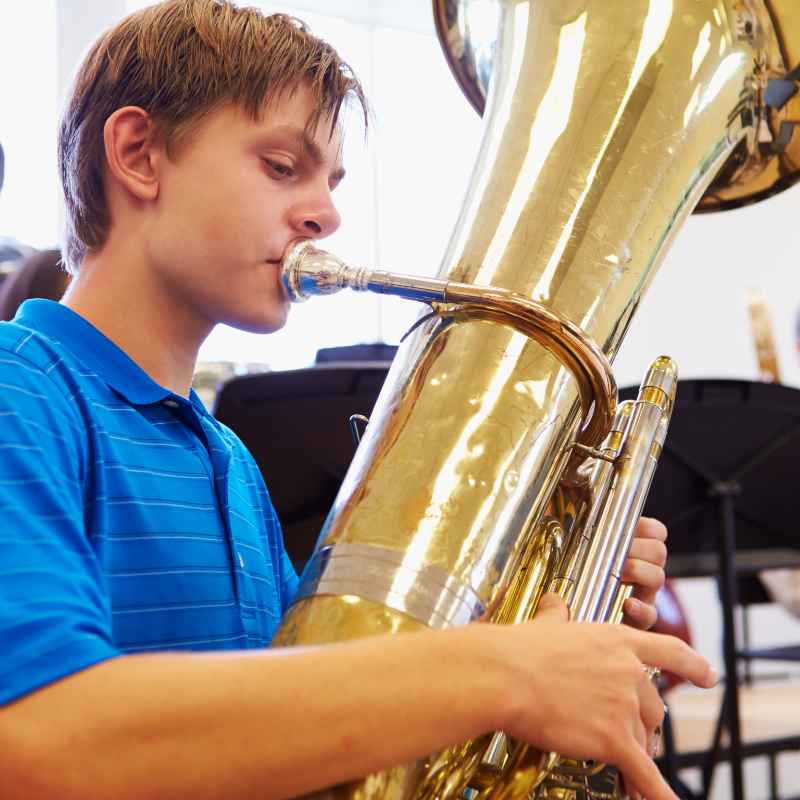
(36,275)
(295,424)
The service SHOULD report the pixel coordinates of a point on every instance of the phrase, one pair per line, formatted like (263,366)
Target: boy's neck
(140,317)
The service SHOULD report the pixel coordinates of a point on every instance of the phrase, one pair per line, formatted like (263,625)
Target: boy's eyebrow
(309,147)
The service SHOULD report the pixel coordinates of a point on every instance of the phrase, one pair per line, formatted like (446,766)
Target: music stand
(727,488)
(295,424)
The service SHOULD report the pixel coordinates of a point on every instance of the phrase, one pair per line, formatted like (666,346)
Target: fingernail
(713,676)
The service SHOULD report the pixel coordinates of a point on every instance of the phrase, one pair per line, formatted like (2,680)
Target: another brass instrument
(496,465)
(763,337)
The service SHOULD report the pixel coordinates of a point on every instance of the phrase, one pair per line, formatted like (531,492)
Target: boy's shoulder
(39,367)
(21,343)
(71,354)
(40,389)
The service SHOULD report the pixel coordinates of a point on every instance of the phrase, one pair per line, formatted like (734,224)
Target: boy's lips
(279,261)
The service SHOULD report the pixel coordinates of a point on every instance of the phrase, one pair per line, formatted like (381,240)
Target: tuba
(496,464)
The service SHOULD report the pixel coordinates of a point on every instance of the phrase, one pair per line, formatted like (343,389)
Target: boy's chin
(264,322)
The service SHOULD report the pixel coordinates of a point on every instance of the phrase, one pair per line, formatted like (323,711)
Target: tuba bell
(496,464)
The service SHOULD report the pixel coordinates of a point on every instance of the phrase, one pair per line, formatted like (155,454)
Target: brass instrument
(496,464)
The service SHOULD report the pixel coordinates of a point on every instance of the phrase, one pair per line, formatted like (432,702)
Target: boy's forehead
(299,105)
(317,136)
(292,123)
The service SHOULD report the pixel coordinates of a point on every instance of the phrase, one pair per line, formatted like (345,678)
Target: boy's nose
(318,222)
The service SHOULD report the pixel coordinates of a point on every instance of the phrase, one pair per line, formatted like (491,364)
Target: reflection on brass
(604,125)
(765,162)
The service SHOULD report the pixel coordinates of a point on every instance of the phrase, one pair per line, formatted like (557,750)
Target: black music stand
(295,424)
(728,489)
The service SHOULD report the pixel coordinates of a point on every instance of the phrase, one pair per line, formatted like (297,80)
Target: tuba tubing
(307,271)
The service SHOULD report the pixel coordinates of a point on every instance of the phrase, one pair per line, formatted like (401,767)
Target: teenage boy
(200,141)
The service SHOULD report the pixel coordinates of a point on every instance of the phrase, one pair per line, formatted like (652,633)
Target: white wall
(696,308)
(29,206)
(80,22)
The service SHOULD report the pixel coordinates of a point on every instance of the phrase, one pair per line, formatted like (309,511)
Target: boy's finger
(642,774)
(640,615)
(552,606)
(652,550)
(673,655)
(643,574)
(649,528)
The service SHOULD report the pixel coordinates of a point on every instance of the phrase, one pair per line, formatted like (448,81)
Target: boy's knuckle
(609,739)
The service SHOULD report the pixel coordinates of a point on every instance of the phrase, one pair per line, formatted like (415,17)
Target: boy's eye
(279,169)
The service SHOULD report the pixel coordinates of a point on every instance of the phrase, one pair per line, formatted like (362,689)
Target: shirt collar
(96,352)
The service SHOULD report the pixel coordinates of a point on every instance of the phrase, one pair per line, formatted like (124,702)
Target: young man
(199,143)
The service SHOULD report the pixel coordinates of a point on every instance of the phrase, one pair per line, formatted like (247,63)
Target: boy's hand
(645,570)
(581,689)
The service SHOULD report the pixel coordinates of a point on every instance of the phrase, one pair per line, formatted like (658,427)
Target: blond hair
(178,60)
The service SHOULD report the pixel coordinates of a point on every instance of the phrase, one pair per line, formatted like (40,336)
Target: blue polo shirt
(130,519)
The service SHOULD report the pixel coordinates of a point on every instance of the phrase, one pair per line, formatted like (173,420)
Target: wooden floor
(768,710)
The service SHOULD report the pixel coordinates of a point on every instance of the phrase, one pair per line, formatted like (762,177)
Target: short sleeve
(289,581)
(55,617)
(286,571)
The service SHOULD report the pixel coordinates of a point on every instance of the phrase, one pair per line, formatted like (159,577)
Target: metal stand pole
(726,492)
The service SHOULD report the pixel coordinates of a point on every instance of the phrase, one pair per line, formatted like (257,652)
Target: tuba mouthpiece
(306,271)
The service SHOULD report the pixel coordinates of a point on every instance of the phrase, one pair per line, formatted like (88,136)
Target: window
(420,158)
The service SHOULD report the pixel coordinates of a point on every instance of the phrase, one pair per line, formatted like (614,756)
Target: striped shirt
(130,519)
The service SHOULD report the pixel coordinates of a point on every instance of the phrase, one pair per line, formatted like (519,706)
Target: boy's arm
(55,616)
(280,723)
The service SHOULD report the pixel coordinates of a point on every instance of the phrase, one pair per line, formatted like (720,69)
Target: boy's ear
(132,156)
